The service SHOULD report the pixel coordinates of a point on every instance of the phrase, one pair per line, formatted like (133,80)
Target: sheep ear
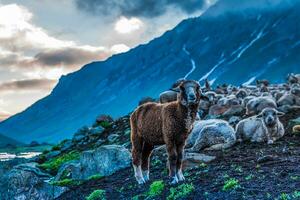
(280,113)
(176,89)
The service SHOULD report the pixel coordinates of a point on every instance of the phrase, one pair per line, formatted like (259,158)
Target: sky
(42,40)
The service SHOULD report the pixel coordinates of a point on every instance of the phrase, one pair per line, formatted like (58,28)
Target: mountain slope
(6,140)
(235,47)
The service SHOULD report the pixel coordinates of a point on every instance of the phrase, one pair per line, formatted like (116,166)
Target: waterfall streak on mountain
(213,69)
(259,35)
(192,61)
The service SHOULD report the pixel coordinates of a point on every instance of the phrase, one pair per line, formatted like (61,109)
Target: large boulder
(27,182)
(104,160)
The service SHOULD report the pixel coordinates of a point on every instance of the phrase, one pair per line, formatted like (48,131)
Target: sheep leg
(172,158)
(179,162)
(137,145)
(147,150)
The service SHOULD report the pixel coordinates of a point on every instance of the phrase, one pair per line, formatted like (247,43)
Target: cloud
(119,48)
(125,25)
(137,8)
(69,57)
(4,115)
(18,33)
(26,85)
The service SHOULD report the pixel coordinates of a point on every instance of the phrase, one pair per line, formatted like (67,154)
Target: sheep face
(190,93)
(270,116)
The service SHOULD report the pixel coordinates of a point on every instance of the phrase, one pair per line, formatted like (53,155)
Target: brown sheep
(158,124)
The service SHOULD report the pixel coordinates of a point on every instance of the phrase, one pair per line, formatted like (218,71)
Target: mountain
(7,141)
(231,42)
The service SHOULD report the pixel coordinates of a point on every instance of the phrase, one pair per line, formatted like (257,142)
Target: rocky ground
(67,171)
(246,171)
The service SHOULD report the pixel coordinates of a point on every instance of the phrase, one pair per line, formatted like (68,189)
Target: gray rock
(112,138)
(77,138)
(26,181)
(104,160)
(66,145)
(96,131)
(52,154)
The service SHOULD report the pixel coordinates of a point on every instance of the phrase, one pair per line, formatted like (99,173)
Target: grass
(290,196)
(95,177)
(231,184)
(156,188)
(66,182)
(54,164)
(249,177)
(181,191)
(97,195)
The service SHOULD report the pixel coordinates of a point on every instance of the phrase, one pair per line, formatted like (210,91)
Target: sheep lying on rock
(213,134)
(264,127)
(158,124)
(256,105)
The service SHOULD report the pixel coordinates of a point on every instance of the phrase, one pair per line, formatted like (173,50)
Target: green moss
(181,191)
(97,195)
(66,183)
(95,177)
(105,124)
(54,164)
(156,188)
(231,184)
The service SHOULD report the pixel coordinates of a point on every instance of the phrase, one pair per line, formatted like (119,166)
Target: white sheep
(213,134)
(256,105)
(264,127)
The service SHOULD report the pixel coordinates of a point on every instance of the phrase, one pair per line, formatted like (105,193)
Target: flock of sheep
(251,113)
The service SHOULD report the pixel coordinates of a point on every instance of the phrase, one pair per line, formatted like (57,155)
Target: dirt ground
(262,171)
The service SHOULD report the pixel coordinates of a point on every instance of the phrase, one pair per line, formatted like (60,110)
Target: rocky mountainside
(228,43)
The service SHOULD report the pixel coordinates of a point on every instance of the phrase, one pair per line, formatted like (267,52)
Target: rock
(96,131)
(52,154)
(26,181)
(192,160)
(104,160)
(78,137)
(112,138)
(264,159)
(66,145)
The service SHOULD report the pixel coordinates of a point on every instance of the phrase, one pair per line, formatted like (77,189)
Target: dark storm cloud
(225,6)
(25,85)
(138,8)
(68,57)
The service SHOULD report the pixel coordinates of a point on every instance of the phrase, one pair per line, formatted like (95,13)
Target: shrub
(181,191)
(156,188)
(105,124)
(231,184)
(97,195)
(95,177)
(54,164)
(66,182)
(56,147)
